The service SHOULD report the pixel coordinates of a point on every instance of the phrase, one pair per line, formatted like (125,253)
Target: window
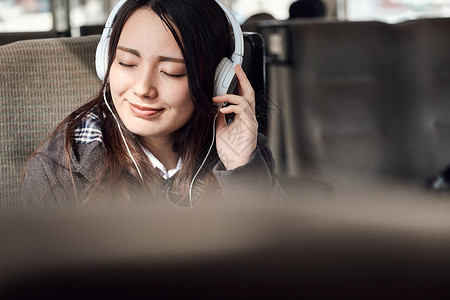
(243,9)
(46,15)
(393,11)
(25,15)
(89,12)
(390,11)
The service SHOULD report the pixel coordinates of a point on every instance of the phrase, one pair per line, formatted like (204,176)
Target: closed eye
(173,75)
(126,65)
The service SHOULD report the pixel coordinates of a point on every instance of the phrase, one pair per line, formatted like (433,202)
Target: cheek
(180,97)
(118,81)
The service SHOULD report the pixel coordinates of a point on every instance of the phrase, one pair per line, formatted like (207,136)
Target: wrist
(231,165)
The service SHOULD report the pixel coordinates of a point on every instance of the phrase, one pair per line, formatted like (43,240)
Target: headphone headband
(237,32)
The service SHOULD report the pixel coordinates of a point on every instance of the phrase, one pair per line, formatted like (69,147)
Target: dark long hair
(203,34)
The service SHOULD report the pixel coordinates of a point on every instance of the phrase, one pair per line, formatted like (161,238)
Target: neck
(162,149)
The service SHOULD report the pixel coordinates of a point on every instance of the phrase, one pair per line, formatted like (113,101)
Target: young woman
(155,133)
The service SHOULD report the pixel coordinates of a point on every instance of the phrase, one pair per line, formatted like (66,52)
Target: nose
(146,86)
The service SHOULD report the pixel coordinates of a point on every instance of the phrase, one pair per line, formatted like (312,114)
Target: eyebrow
(160,58)
(171,59)
(132,51)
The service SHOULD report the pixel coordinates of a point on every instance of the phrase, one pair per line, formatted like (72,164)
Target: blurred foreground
(366,242)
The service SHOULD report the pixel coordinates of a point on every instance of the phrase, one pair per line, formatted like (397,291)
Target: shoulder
(52,150)
(52,173)
(87,146)
(263,140)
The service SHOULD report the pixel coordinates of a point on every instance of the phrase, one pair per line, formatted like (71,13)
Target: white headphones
(225,77)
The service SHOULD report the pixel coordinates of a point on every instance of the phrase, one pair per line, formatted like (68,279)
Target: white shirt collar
(166,174)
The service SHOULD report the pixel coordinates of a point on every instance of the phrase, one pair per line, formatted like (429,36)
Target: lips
(141,111)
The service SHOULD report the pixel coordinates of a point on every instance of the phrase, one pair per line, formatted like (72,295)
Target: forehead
(145,31)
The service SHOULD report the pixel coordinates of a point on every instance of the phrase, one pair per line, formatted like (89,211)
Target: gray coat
(48,181)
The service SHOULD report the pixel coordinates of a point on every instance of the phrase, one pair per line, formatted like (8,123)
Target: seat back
(363,99)
(41,82)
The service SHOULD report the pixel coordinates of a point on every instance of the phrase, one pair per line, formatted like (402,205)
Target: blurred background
(70,15)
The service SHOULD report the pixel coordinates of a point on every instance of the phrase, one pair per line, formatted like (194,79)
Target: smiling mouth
(143,111)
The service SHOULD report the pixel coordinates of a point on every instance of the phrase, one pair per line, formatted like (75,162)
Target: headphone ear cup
(222,73)
(101,57)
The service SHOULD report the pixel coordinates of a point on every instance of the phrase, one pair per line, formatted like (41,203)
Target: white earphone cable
(121,134)
(204,161)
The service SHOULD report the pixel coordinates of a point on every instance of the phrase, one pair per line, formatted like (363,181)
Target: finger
(243,111)
(230,98)
(237,109)
(239,106)
(245,87)
(221,122)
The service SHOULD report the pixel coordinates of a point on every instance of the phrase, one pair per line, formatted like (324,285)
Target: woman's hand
(236,142)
